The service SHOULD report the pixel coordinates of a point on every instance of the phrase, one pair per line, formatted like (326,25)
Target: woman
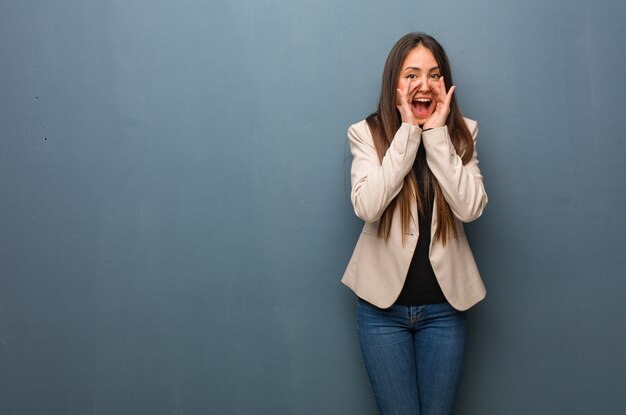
(415,179)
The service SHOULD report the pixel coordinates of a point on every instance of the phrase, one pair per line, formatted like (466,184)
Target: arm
(375,184)
(462,185)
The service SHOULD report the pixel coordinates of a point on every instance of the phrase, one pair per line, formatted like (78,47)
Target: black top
(421,286)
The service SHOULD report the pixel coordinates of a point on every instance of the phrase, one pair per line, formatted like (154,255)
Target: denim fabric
(413,355)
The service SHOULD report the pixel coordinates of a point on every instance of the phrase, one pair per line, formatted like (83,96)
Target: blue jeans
(413,355)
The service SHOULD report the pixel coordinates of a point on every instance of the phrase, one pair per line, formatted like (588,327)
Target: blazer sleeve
(376,183)
(462,185)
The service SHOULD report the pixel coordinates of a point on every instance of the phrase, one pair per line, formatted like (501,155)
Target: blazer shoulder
(360,132)
(360,128)
(472,125)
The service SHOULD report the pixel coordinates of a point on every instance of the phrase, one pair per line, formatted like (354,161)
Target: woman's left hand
(442,100)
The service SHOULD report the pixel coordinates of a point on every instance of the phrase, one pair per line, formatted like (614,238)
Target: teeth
(422,100)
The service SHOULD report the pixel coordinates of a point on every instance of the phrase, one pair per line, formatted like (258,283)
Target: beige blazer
(378,268)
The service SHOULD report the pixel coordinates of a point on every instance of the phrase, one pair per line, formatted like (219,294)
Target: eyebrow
(413,68)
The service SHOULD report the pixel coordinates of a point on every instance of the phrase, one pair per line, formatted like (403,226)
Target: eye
(411,76)
(435,76)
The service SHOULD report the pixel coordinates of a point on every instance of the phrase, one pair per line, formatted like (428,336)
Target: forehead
(419,57)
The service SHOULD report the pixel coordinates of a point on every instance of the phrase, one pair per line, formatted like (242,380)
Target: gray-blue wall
(174,212)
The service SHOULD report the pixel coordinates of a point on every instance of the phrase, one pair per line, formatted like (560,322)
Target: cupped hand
(442,102)
(405,101)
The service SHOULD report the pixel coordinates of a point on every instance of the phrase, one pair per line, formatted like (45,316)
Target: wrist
(410,121)
(431,125)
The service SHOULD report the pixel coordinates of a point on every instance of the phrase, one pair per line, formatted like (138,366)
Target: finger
(449,95)
(441,89)
(434,89)
(402,93)
(407,87)
(416,87)
(399,96)
(402,102)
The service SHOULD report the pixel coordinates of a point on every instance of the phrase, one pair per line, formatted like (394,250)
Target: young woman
(415,179)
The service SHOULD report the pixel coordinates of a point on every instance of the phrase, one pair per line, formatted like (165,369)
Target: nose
(424,85)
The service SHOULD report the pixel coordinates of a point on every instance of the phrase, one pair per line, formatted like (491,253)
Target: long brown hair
(386,121)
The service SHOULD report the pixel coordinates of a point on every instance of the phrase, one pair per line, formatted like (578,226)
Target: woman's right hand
(405,101)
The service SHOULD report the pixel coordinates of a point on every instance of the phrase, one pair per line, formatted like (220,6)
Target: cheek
(401,84)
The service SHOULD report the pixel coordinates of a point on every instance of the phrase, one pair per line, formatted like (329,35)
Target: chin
(422,120)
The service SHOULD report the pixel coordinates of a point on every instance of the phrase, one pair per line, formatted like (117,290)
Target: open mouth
(421,105)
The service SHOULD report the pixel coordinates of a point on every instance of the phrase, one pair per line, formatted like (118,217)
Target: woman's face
(420,67)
